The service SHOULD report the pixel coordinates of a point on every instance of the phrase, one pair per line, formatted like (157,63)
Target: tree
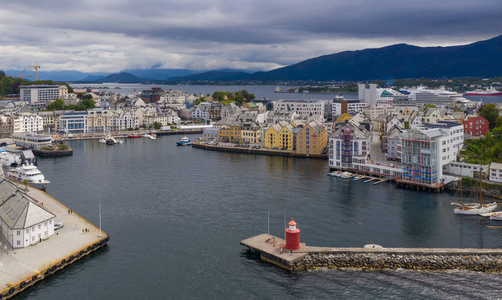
(429,106)
(157,125)
(88,103)
(56,105)
(490,113)
(80,95)
(498,121)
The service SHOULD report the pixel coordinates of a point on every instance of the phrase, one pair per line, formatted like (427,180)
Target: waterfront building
(41,95)
(463,169)
(393,141)
(314,107)
(231,133)
(426,149)
(28,122)
(23,222)
(496,172)
(280,136)
(32,140)
(350,143)
(475,125)
(49,118)
(72,122)
(99,120)
(123,120)
(311,138)
(210,134)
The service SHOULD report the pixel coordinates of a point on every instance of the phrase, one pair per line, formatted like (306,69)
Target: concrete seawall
(260,151)
(374,257)
(21,268)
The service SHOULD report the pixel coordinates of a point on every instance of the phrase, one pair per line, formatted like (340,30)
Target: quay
(373,257)
(21,268)
(124,134)
(261,151)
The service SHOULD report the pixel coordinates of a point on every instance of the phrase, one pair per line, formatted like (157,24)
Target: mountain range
(479,59)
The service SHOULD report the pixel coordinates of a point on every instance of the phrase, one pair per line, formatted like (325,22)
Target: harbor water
(176,216)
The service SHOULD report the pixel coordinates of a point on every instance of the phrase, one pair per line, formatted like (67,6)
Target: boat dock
(373,257)
(24,267)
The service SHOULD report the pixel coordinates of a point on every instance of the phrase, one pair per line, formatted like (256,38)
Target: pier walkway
(374,257)
(20,268)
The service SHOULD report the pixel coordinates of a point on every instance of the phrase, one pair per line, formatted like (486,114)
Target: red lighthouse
(292,236)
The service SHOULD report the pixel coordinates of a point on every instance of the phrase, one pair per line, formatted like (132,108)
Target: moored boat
(184,142)
(133,136)
(487,92)
(496,216)
(30,173)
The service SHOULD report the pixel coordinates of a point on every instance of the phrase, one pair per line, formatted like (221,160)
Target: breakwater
(261,151)
(374,257)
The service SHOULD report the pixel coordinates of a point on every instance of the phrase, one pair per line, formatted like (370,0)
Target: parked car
(58,225)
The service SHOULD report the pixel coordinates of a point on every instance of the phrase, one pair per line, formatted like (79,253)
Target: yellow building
(280,136)
(312,138)
(232,133)
(99,120)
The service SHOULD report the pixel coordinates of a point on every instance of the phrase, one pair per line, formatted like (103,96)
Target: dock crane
(36,67)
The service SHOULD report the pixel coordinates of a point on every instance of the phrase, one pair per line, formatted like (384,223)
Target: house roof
(19,211)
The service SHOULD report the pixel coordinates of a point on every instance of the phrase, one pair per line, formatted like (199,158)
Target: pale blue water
(176,216)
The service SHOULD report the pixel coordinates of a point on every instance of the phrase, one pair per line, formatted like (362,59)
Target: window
(18,243)
(18,232)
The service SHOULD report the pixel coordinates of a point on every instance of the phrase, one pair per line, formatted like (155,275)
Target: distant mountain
(123,77)
(480,59)
(160,74)
(213,76)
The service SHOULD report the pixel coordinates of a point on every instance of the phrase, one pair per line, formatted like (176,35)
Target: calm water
(260,91)
(176,216)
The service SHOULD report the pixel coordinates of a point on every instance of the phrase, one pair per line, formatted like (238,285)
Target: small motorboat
(184,142)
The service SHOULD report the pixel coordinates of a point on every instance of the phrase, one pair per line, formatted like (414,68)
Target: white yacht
(9,159)
(152,136)
(30,173)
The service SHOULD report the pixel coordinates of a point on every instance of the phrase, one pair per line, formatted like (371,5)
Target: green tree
(157,125)
(80,95)
(56,105)
(87,103)
(429,105)
(490,113)
(498,121)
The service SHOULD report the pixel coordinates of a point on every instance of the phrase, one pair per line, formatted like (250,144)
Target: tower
(292,236)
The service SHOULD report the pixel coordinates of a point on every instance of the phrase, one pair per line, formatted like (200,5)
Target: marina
(331,212)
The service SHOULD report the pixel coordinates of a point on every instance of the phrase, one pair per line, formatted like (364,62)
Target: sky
(112,35)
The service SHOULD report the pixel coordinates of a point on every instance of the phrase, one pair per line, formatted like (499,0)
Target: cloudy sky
(112,35)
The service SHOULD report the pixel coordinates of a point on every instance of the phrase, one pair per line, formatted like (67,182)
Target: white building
(42,95)
(426,149)
(28,122)
(23,222)
(349,144)
(73,122)
(496,172)
(314,107)
(341,106)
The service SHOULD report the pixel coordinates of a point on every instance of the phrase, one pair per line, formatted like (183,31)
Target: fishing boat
(30,173)
(184,142)
(474,208)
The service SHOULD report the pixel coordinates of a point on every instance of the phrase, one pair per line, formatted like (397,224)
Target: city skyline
(92,36)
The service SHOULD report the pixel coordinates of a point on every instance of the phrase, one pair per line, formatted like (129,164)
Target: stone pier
(374,257)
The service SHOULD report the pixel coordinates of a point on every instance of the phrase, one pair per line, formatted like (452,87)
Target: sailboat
(475,208)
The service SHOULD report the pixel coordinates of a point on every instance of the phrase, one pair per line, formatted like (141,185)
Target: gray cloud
(92,35)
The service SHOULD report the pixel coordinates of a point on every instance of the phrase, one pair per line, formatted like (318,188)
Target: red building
(475,125)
